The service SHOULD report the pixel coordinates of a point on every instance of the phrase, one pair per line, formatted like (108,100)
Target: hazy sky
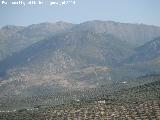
(132,11)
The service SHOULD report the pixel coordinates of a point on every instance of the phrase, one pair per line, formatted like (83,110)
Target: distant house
(124,82)
(102,101)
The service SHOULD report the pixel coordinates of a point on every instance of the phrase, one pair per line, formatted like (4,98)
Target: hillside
(62,55)
(146,52)
(16,38)
(144,60)
(141,102)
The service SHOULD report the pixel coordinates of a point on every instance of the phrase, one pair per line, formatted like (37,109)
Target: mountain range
(61,55)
